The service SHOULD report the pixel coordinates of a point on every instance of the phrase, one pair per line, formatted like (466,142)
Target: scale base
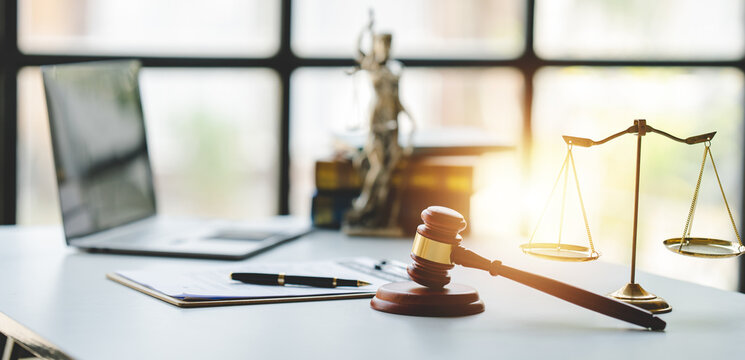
(410,298)
(634,294)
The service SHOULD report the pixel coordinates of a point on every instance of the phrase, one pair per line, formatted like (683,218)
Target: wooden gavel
(437,249)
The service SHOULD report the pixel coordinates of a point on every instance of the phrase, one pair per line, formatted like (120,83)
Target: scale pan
(560,252)
(704,247)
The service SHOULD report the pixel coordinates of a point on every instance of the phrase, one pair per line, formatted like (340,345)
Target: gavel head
(433,245)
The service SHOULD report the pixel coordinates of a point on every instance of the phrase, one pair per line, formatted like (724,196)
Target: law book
(334,175)
(446,181)
(328,207)
(450,173)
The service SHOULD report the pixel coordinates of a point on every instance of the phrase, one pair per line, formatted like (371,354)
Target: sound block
(410,298)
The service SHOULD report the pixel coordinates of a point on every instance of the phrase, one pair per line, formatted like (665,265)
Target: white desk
(55,296)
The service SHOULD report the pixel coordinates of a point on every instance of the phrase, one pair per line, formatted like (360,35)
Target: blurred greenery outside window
(214,132)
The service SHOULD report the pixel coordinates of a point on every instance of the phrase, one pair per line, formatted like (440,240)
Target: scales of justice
(703,247)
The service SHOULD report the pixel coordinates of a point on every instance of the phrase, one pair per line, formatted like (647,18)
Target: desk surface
(53,295)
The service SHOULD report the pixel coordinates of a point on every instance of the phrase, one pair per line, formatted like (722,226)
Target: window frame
(284,62)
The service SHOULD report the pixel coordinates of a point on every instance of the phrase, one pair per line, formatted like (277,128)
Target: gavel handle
(564,291)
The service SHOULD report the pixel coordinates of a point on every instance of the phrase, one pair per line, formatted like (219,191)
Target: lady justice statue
(375,211)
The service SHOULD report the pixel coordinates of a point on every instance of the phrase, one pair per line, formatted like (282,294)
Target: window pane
(211,135)
(639,29)
(420,28)
(149,27)
(213,139)
(598,102)
(37,201)
(447,104)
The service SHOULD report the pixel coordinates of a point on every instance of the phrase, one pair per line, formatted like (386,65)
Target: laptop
(105,181)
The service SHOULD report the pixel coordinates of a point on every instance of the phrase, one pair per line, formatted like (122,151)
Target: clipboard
(204,303)
(383,271)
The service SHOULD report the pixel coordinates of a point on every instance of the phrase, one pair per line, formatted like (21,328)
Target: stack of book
(337,185)
(424,181)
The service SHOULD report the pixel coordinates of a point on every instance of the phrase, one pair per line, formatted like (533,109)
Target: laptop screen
(98,139)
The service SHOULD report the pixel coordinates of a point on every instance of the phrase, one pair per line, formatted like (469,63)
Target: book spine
(448,178)
(328,207)
(337,175)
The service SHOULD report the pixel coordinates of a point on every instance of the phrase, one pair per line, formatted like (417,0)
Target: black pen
(282,279)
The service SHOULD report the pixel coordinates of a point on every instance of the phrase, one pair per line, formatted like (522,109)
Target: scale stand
(633,293)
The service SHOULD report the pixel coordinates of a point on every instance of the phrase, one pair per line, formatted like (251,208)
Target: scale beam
(641,129)
(696,139)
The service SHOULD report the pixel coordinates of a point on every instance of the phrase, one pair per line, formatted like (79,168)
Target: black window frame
(284,62)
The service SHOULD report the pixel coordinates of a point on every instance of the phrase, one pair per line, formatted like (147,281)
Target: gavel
(437,249)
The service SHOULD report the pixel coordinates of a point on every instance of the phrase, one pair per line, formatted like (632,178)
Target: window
(638,29)
(423,28)
(152,28)
(241,97)
(206,129)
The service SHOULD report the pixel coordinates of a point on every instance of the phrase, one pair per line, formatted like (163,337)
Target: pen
(282,279)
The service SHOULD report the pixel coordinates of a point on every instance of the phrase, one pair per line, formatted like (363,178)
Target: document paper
(216,284)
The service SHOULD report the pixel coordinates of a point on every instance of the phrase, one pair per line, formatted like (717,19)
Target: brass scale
(632,292)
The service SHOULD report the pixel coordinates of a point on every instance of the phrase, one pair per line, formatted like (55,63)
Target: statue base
(410,298)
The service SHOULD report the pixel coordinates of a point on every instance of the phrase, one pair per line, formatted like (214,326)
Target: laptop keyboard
(148,234)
